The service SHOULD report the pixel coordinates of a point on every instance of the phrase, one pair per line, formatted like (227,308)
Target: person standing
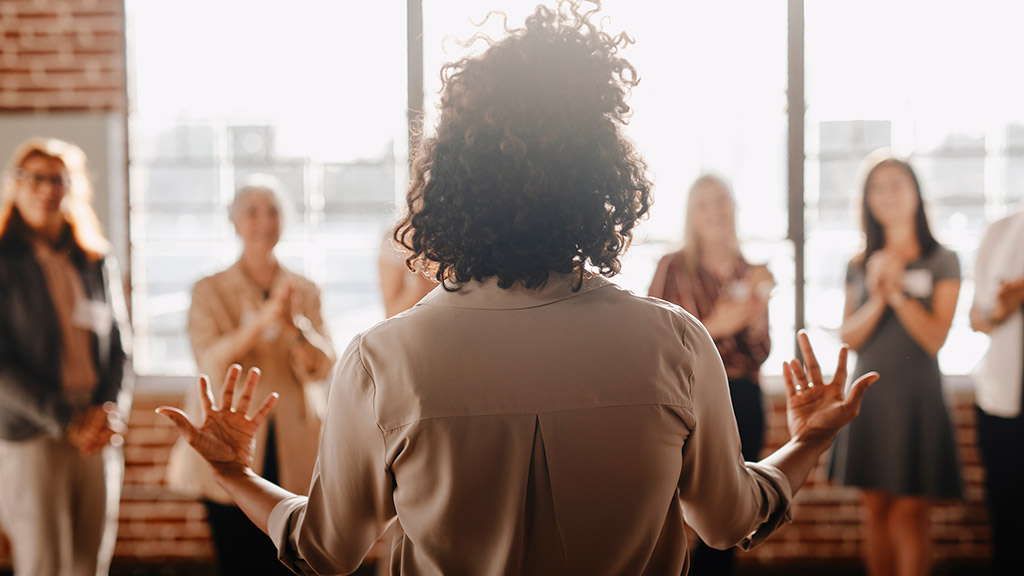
(63,353)
(901,294)
(710,279)
(529,416)
(259,314)
(998,311)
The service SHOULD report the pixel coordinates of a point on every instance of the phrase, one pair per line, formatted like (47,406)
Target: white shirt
(530,432)
(998,375)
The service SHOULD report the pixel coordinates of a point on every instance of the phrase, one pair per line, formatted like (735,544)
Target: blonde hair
(77,204)
(691,242)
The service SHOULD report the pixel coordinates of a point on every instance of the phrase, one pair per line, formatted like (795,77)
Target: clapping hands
(1009,298)
(885,276)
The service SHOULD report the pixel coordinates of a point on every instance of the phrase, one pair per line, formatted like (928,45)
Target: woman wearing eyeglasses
(62,359)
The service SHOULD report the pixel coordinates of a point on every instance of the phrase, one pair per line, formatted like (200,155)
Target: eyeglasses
(36,179)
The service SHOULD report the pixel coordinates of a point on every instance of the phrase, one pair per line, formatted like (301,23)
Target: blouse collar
(488,296)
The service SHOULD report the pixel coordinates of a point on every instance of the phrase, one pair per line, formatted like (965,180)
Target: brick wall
(58,55)
(827,519)
(156,525)
(159,527)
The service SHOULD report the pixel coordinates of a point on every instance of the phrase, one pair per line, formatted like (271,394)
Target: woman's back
(539,432)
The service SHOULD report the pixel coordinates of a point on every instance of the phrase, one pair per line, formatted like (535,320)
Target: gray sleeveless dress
(902,442)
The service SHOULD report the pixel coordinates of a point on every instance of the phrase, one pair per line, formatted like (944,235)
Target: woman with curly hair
(530,417)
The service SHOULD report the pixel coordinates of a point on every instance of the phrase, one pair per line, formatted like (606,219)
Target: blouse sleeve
(117,342)
(947,265)
(657,289)
(206,332)
(727,501)
(323,347)
(349,504)
(20,394)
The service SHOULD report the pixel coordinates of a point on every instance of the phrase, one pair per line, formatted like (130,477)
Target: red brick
(73,51)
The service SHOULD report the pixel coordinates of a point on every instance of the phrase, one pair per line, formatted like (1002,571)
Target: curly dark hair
(529,172)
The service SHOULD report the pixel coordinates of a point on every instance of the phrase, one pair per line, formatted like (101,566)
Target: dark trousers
(242,548)
(1001,443)
(749,408)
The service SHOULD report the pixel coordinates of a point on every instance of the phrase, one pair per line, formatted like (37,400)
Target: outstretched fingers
(810,361)
(799,376)
(840,376)
(230,380)
(180,421)
(265,408)
(859,388)
(787,377)
(205,395)
(245,400)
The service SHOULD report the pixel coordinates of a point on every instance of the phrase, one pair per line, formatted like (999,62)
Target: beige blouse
(78,373)
(529,432)
(221,304)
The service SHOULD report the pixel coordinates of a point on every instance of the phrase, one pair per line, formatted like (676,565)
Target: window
(286,89)
(712,97)
(933,84)
(315,93)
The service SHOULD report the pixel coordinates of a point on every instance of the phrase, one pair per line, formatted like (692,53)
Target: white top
(529,432)
(998,375)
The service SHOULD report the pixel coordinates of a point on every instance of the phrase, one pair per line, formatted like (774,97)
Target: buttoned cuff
(783,510)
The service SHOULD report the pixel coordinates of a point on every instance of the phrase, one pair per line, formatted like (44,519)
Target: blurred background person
(710,279)
(257,313)
(997,311)
(400,287)
(63,336)
(901,294)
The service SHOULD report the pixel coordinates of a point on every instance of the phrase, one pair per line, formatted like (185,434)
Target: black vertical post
(795,114)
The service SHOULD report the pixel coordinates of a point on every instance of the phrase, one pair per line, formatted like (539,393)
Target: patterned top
(743,352)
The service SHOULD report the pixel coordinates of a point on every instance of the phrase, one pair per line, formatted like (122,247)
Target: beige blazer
(221,304)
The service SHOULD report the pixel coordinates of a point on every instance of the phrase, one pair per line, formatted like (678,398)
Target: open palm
(227,436)
(814,407)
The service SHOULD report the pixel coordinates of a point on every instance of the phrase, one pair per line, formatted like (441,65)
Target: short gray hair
(266,184)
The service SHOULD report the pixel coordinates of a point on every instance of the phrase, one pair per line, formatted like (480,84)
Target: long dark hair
(529,172)
(874,234)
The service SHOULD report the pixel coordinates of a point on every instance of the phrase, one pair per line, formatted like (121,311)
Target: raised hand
(815,408)
(227,436)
